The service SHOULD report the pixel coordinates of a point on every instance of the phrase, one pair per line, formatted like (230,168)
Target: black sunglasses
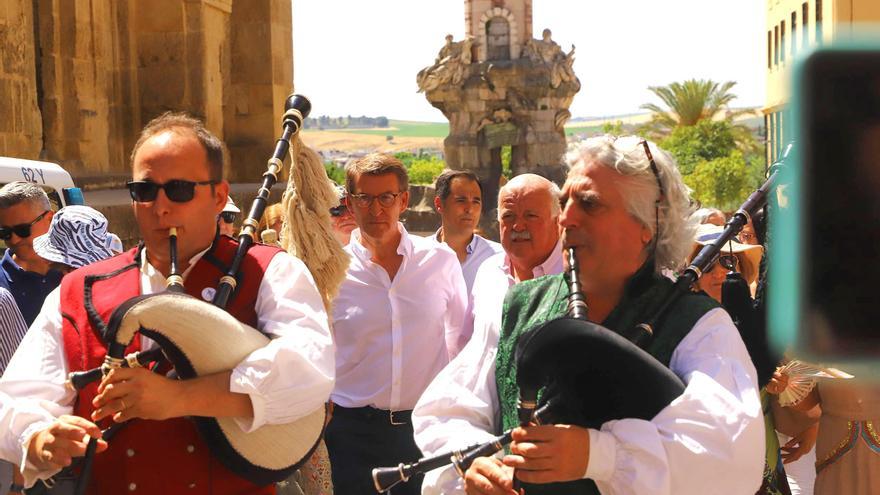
(179,191)
(227,216)
(729,261)
(338,211)
(21,230)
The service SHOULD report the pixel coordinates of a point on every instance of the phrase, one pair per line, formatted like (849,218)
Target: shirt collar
(470,247)
(405,248)
(548,267)
(150,271)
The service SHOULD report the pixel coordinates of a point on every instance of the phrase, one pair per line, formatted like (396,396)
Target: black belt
(373,415)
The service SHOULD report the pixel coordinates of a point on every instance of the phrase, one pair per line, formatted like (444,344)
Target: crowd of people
(416,355)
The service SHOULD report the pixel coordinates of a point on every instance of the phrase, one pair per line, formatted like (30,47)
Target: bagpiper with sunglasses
(25,213)
(625,213)
(177,168)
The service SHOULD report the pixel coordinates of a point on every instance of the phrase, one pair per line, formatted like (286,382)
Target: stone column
(21,132)
(260,80)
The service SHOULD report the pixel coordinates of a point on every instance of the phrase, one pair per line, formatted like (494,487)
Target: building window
(782,41)
(793,33)
(769,49)
(805,23)
(775,45)
(818,22)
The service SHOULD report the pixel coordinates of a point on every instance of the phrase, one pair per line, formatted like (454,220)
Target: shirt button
(190,448)
(132,487)
(129,452)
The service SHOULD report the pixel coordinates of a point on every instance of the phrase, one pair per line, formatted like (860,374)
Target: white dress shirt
(288,378)
(709,440)
(478,251)
(394,336)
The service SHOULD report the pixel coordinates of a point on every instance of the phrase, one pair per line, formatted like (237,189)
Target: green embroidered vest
(533,302)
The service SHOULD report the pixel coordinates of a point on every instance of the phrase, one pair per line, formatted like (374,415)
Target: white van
(51,177)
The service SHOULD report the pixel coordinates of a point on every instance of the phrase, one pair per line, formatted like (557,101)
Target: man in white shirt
(177,169)
(397,322)
(625,214)
(458,198)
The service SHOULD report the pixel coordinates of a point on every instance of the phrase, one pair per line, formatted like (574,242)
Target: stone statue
(549,53)
(449,66)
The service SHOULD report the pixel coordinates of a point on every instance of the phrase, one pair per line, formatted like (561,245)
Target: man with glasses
(226,220)
(625,212)
(25,213)
(397,321)
(177,169)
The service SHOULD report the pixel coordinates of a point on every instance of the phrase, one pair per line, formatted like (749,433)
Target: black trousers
(364,438)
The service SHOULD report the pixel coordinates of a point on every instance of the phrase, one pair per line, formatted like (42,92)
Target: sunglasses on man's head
(22,230)
(338,211)
(179,191)
(227,216)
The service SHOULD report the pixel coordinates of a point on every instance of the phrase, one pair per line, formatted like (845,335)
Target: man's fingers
(113,408)
(528,464)
(488,476)
(91,429)
(531,450)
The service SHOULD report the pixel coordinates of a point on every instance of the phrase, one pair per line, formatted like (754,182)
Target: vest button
(192,485)
(129,452)
(190,448)
(132,487)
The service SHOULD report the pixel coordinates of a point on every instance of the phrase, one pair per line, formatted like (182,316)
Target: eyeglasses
(338,211)
(365,200)
(179,191)
(227,216)
(729,261)
(21,230)
(656,172)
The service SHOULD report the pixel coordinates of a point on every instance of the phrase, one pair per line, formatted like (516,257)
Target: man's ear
(646,236)
(221,194)
(438,205)
(405,195)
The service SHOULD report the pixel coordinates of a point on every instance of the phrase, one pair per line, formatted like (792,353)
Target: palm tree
(689,102)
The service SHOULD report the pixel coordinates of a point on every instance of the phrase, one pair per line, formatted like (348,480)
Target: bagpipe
(562,366)
(199,338)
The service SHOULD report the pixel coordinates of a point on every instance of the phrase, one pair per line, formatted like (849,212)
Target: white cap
(230,205)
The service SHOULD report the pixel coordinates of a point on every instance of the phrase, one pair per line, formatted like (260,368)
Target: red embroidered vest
(166,457)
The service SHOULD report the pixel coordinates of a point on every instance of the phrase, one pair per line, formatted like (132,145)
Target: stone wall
(79,91)
(20,125)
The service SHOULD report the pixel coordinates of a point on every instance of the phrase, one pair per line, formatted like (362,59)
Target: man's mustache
(521,236)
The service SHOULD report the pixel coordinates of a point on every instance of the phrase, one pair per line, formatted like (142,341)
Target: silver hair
(523,179)
(626,155)
(19,192)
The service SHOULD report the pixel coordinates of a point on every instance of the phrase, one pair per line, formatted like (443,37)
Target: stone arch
(482,42)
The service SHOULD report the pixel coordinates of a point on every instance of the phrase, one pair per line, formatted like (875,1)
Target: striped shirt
(12,328)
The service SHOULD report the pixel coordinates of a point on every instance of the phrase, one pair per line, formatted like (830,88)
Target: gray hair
(627,156)
(523,180)
(20,192)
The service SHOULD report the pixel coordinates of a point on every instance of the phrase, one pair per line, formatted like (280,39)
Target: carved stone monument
(499,87)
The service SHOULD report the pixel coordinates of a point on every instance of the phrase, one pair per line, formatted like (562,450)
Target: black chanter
(182,324)
(568,370)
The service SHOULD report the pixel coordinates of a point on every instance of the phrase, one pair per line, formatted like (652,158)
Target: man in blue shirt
(25,213)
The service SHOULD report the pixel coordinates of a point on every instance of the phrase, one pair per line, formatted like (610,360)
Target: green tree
(615,128)
(425,170)
(337,174)
(706,140)
(724,182)
(689,102)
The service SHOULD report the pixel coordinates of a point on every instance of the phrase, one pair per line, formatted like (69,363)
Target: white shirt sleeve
(293,375)
(458,409)
(709,439)
(32,391)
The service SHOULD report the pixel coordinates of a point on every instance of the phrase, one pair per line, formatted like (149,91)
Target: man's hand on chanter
(488,476)
(550,453)
(66,438)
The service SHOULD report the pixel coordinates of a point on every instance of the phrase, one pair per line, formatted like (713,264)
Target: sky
(361,57)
